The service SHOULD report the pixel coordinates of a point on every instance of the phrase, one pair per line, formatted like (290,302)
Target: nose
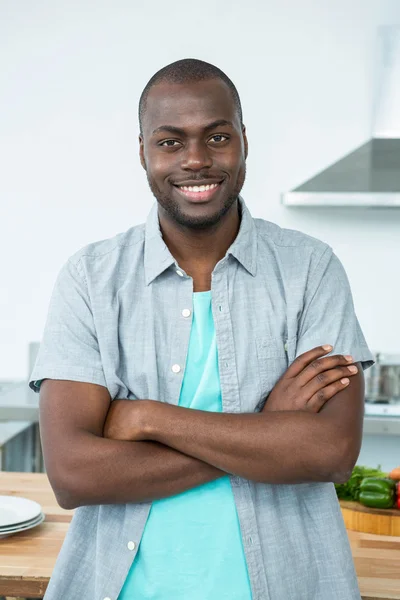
(196,157)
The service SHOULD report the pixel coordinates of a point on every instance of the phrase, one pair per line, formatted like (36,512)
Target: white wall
(70,81)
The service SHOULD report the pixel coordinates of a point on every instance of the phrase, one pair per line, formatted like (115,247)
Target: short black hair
(188,70)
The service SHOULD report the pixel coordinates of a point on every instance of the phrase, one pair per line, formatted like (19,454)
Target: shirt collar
(158,258)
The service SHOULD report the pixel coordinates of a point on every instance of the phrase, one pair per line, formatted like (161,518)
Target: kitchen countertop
(27,559)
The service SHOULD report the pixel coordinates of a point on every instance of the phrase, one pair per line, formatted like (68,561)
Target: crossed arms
(97,452)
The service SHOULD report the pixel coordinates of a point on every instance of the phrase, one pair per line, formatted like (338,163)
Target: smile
(198,188)
(198,192)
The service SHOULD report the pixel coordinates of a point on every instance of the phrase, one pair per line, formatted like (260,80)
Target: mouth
(199,193)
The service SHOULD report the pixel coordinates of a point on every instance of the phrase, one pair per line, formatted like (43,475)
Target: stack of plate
(18,514)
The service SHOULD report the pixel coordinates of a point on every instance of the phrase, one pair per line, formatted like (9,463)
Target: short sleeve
(69,348)
(328,315)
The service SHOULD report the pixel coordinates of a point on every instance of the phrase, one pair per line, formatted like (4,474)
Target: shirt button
(176,368)
(179,273)
(131,545)
(107,598)
(186,312)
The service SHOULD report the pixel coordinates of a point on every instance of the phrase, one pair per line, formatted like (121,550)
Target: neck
(200,250)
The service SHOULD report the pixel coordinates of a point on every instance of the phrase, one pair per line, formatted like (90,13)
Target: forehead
(189,105)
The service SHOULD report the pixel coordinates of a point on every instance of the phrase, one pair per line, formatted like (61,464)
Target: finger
(302,361)
(325,378)
(318,400)
(321,365)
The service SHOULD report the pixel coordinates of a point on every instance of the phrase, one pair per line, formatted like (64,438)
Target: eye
(168,143)
(219,138)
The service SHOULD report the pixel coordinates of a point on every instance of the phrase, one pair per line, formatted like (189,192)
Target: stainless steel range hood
(370,174)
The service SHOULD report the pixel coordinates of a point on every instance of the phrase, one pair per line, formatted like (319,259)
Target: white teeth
(198,188)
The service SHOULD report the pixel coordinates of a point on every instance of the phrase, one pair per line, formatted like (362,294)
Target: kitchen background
(71,77)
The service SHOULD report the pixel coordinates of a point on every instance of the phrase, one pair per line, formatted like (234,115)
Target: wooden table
(27,559)
(377,562)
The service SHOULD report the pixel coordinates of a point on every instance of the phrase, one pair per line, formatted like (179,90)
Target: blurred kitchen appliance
(20,443)
(382,380)
(17,447)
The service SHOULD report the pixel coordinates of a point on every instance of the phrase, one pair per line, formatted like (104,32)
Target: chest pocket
(274,356)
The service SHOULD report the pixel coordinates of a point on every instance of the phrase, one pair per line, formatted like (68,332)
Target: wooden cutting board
(380,521)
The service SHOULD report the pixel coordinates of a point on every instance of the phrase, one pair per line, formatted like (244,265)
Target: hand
(310,381)
(126,420)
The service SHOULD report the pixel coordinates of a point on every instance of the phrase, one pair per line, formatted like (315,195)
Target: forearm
(271,447)
(104,471)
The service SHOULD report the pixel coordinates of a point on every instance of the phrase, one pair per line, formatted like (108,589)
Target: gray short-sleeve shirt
(116,319)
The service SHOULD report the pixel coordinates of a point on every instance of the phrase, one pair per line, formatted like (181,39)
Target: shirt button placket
(228,376)
(181,315)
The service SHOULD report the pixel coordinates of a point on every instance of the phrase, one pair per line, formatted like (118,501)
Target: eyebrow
(178,131)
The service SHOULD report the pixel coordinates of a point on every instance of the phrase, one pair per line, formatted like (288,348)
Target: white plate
(35,523)
(24,524)
(15,510)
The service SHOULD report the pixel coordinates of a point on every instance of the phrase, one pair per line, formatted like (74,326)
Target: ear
(141,152)
(246,145)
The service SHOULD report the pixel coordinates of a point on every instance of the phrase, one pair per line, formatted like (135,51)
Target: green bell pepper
(377,492)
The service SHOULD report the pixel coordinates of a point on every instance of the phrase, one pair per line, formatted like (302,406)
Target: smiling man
(201,382)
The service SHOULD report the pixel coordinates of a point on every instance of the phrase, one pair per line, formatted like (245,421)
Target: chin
(207,217)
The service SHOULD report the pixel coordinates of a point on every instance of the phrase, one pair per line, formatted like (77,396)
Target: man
(191,408)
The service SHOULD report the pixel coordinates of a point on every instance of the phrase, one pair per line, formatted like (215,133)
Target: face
(194,151)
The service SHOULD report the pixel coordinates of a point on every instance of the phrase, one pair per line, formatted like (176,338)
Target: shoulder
(293,250)
(111,250)
(279,237)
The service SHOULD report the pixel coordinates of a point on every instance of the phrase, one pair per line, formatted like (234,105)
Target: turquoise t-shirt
(191,547)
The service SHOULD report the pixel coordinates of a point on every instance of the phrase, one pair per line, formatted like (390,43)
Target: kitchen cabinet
(20,447)
(17,444)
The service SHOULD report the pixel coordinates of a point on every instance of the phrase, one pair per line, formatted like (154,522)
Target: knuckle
(338,359)
(321,395)
(321,377)
(315,365)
